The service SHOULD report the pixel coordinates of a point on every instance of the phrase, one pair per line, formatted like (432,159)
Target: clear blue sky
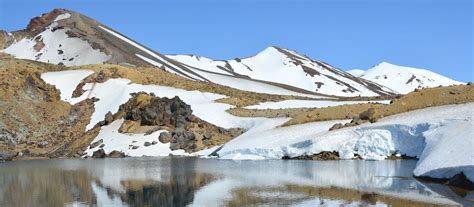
(431,34)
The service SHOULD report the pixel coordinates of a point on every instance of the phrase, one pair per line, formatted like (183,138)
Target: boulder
(165,137)
(99,154)
(116,154)
(207,135)
(146,144)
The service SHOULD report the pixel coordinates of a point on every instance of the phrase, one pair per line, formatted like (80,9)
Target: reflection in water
(210,182)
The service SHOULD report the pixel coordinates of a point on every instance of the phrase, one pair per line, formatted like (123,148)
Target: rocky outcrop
(100,153)
(149,110)
(147,113)
(116,154)
(33,118)
(320,156)
(45,19)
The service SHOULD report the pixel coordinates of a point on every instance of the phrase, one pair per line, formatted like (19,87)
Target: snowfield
(58,48)
(288,104)
(114,92)
(441,137)
(403,79)
(281,66)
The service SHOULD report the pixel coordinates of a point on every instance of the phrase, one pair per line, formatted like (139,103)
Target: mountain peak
(269,50)
(39,22)
(384,63)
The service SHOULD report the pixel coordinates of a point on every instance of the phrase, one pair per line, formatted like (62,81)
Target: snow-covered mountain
(66,37)
(282,66)
(403,79)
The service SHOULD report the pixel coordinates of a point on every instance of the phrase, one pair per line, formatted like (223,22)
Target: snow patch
(286,104)
(66,81)
(62,16)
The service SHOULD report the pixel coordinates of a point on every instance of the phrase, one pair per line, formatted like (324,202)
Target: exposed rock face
(154,111)
(320,156)
(40,22)
(32,116)
(185,131)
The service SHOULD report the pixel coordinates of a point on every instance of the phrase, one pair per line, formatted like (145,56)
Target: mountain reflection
(211,182)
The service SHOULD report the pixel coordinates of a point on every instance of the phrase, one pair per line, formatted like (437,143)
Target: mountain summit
(69,38)
(283,66)
(403,79)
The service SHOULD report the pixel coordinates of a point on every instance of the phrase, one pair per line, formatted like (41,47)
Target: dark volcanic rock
(99,154)
(116,154)
(148,113)
(155,111)
(320,156)
(164,137)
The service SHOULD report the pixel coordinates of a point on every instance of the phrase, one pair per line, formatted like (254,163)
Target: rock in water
(116,154)
(99,154)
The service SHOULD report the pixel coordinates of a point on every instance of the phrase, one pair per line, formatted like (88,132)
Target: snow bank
(425,134)
(448,151)
(286,104)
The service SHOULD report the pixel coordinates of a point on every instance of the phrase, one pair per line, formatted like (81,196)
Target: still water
(212,182)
